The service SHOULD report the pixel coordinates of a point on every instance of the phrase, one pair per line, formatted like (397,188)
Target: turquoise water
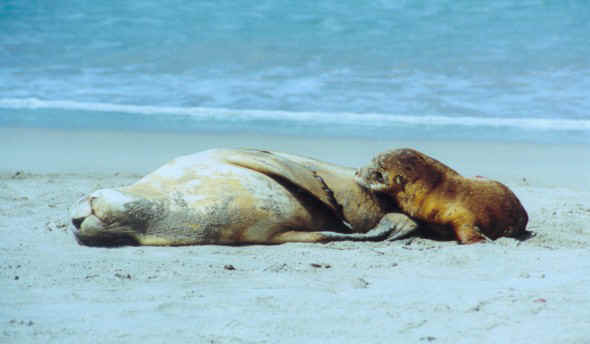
(502,70)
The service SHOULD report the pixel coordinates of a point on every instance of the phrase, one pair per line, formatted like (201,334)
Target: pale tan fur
(238,197)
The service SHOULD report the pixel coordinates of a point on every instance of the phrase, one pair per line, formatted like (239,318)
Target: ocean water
(449,69)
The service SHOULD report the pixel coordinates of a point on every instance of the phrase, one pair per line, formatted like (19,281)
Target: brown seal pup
(238,196)
(436,195)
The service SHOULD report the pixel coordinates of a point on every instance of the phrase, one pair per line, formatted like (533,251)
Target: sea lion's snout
(96,219)
(80,211)
(77,222)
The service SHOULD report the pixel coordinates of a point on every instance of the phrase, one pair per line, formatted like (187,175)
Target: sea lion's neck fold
(358,206)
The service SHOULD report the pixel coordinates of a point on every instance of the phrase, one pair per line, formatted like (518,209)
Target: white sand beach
(408,291)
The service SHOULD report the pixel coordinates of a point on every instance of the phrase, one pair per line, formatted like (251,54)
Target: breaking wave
(324,118)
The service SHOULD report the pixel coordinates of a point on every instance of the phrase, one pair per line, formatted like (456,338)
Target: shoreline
(69,151)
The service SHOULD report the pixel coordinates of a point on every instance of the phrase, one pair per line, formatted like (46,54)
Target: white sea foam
(358,119)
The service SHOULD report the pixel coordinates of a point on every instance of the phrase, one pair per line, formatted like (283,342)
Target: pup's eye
(378,176)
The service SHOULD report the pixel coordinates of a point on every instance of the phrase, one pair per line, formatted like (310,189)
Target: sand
(413,290)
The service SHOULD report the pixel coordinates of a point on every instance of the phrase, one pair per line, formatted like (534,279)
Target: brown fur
(435,194)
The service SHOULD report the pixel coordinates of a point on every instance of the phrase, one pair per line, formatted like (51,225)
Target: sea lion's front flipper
(285,171)
(391,227)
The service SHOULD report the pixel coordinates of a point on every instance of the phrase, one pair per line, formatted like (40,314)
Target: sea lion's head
(392,171)
(111,218)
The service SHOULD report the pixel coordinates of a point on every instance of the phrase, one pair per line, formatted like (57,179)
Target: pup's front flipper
(391,227)
(469,234)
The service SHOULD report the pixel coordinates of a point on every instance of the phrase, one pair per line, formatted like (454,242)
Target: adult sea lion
(229,196)
(440,198)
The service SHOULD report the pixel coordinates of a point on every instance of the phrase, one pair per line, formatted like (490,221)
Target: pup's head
(392,171)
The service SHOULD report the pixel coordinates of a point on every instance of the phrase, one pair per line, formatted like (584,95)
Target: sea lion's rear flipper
(288,172)
(391,227)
